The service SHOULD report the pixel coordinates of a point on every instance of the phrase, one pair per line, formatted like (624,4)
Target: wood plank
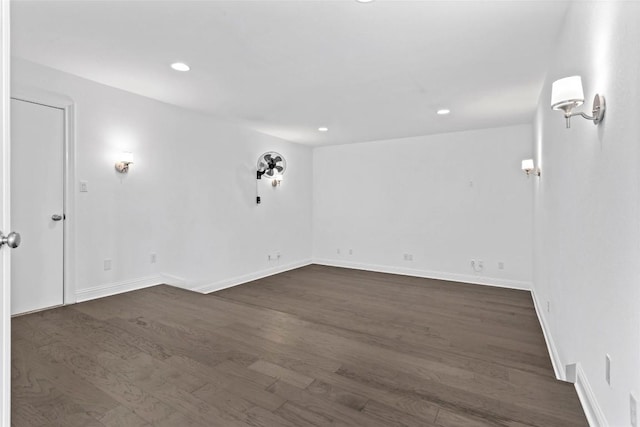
(338,395)
(31,371)
(303,417)
(323,407)
(121,416)
(128,394)
(257,396)
(281,374)
(393,417)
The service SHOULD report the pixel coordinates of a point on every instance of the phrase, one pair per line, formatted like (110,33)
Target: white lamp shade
(126,157)
(527,165)
(567,91)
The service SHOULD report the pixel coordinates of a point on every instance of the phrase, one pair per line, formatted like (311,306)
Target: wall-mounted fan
(272,165)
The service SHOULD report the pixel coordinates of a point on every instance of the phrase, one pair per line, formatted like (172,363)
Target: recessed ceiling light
(443,111)
(180,66)
(364,1)
(323,129)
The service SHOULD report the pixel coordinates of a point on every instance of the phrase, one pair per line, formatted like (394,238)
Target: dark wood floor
(312,347)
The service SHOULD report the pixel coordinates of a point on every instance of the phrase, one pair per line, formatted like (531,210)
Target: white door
(5,282)
(37,205)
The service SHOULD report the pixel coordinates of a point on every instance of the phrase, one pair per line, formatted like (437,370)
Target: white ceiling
(367,71)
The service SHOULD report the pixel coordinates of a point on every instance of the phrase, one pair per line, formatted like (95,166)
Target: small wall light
(276,180)
(528,167)
(567,94)
(126,158)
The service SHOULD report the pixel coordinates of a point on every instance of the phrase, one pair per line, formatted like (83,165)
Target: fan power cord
(477,267)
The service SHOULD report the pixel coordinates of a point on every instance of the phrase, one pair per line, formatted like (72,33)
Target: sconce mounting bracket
(599,107)
(598,110)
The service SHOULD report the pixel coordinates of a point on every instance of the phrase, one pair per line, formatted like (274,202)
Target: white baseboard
(590,405)
(175,281)
(439,275)
(572,373)
(206,288)
(109,289)
(558,366)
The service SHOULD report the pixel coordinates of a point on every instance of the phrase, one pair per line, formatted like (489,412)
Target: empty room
(320,213)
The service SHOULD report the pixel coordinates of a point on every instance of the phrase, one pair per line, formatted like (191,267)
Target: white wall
(445,199)
(587,216)
(189,196)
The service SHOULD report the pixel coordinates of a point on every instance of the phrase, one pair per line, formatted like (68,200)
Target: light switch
(84,186)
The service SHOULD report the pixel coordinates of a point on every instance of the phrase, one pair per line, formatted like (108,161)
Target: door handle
(12,239)
(56,217)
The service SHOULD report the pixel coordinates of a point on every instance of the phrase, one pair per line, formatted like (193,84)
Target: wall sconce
(276,180)
(528,167)
(126,158)
(567,94)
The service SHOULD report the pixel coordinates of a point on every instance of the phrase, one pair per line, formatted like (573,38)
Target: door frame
(67,105)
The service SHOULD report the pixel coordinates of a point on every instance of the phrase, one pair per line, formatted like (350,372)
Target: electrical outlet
(338,251)
(152,258)
(273,256)
(350,251)
(633,409)
(500,265)
(84,186)
(607,371)
(107,264)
